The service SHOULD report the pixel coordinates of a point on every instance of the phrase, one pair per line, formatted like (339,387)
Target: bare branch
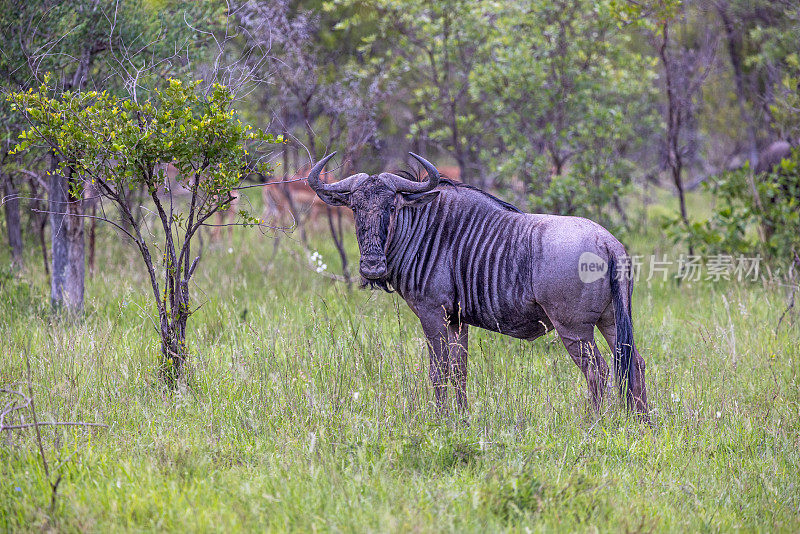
(52,423)
(84,216)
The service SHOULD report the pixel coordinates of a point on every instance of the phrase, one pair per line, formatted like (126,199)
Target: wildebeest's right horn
(407,186)
(313,175)
(342,186)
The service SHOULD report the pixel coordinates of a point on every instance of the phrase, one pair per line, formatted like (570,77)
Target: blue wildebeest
(770,158)
(460,256)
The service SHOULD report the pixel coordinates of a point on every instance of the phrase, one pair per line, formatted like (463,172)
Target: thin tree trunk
(126,195)
(285,156)
(40,221)
(43,246)
(677,179)
(67,281)
(336,227)
(76,254)
(674,124)
(621,210)
(57,198)
(299,220)
(92,239)
(312,147)
(738,77)
(39,208)
(337,240)
(13,224)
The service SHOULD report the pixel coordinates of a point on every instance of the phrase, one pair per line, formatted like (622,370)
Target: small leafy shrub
(117,145)
(572,194)
(740,223)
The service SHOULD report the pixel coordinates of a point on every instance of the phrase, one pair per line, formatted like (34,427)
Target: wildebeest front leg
(459,335)
(447,347)
(439,353)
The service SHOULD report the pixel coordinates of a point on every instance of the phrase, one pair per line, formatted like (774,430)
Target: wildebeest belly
(492,288)
(522,321)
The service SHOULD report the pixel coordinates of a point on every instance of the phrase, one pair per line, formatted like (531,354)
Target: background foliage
(305,404)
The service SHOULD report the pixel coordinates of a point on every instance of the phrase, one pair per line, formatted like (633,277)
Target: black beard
(376,284)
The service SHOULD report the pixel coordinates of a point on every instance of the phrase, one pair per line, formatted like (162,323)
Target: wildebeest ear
(416,200)
(334,199)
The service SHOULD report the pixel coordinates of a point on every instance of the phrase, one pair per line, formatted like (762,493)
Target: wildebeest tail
(623,349)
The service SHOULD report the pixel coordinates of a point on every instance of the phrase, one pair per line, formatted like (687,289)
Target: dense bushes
(767,223)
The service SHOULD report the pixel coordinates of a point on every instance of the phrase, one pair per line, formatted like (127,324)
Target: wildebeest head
(375,200)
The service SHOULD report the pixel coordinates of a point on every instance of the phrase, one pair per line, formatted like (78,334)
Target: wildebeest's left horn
(407,186)
(342,186)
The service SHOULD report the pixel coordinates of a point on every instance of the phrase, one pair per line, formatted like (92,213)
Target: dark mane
(415,176)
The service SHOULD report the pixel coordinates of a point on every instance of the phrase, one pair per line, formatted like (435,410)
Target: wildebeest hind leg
(608,328)
(580,344)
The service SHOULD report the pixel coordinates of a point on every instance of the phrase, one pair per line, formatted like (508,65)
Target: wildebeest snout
(373,267)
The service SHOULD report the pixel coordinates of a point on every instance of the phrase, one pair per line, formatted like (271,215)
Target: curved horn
(313,176)
(407,186)
(345,184)
(342,186)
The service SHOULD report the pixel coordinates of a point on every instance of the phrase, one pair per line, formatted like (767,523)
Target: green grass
(309,408)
